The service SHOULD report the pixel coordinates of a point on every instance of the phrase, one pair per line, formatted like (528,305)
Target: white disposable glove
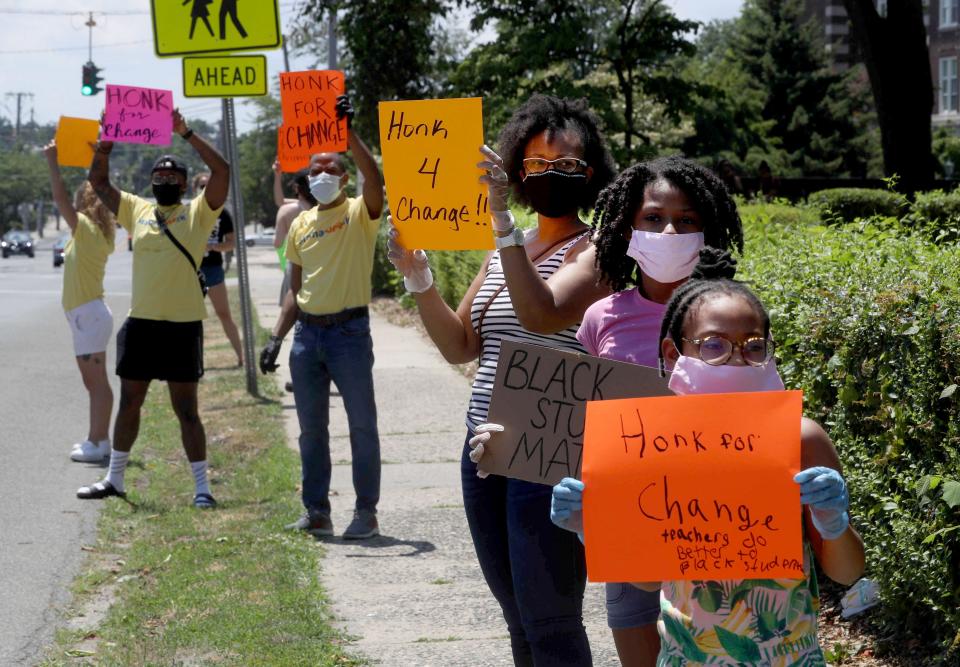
(478,441)
(412,264)
(498,186)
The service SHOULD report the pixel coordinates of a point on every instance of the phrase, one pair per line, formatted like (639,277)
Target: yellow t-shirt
(84,262)
(334,247)
(165,286)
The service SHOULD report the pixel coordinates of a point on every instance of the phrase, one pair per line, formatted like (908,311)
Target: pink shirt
(624,327)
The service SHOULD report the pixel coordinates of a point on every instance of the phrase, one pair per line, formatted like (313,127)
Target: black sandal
(204,501)
(98,490)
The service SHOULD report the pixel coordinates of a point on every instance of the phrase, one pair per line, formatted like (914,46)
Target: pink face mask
(695,376)
(667,258)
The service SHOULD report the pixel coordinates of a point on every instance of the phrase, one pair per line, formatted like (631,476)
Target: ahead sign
(212,26)
(225,76)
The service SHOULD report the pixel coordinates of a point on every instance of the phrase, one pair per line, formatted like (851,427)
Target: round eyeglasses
(717,350)
(566,165)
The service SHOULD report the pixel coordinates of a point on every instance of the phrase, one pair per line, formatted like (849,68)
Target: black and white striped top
(500,323)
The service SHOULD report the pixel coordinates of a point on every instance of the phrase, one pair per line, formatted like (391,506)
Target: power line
(76,48)
(55,12)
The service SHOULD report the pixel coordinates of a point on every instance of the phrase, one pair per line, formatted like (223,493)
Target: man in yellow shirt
(162,338)
(330,248)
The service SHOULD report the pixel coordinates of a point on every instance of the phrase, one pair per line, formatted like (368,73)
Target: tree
(23,179)
(771,96)
(618,55)
(895,51)
(257,150)
(394,49)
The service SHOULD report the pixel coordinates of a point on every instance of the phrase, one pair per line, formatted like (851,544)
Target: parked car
(58,249)
(16,243)
(263,238)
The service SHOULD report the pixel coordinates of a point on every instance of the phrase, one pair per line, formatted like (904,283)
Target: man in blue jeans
(330,248)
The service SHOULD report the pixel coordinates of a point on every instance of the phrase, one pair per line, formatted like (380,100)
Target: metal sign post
(236,200)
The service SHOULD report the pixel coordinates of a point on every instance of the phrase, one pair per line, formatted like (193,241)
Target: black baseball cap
(169,162)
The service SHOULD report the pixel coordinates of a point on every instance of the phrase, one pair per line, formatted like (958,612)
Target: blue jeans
(343,353)
(535,570)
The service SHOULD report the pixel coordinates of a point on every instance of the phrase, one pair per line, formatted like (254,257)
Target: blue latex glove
(566,505)
(824,490)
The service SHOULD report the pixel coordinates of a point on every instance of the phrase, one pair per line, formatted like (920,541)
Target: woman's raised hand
(412,264)
(496,180)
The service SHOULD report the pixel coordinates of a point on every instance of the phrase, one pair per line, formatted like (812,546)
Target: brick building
(942,18)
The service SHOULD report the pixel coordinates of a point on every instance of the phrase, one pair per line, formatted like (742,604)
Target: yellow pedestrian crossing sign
(214,26)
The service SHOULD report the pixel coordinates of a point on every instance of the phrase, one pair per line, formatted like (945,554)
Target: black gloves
(344,109)
(268,355)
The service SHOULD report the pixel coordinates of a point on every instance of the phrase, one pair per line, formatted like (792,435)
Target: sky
(43,45)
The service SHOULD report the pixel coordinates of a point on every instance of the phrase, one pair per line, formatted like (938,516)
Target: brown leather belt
(333,318)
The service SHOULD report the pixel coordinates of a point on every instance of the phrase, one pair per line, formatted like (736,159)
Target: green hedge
(867,322)
(868,325)
(938,214)
(839,205)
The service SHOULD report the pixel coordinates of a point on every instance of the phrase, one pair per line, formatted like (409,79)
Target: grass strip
(191,587)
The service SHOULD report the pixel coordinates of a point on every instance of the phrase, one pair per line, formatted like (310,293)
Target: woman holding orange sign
(556,163)
(91,322)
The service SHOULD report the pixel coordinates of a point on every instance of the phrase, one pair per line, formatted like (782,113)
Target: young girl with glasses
(715,337)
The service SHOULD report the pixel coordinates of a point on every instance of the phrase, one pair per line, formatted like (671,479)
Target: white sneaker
(88,452)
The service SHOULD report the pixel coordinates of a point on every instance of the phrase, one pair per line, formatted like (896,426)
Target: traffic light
(90,79)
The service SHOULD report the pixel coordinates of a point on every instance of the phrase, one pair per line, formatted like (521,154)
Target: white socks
(118,466)
(199,469)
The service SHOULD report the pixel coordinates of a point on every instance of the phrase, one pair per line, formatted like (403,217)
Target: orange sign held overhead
(74,138)
(430,154)
(310,124)
(693,487)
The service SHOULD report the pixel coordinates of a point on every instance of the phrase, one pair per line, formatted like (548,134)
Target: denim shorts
(630,607)
(212,274)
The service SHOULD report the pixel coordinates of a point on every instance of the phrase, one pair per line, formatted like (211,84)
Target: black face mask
(167,194)
(555,194)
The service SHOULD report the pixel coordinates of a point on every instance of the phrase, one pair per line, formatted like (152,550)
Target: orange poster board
(693,487)
(292,158)
(310,123)
(74,136)
(430,153)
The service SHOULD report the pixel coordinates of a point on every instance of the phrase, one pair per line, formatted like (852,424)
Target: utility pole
(286,56)
(90,23)
(332,40)
(19,96)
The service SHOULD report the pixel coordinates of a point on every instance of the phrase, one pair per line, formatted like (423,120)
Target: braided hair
(545,113)
(617,206)
(714,274)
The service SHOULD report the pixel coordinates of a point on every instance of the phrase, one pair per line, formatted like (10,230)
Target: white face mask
(325,187)
(667,258)
(695,376)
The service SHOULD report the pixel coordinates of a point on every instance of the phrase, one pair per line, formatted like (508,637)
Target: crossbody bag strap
(162,224)
(543,255)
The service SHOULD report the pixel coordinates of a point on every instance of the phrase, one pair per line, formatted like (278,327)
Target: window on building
(948,85)
(948,13)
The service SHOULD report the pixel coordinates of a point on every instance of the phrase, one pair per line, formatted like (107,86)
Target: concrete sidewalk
(413,596)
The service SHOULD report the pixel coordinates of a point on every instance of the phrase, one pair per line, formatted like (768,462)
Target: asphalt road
(43,411)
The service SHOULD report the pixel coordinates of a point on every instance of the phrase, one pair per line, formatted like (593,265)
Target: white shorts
(91,325)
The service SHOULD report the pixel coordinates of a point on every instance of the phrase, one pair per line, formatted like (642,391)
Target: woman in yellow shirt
(91,322)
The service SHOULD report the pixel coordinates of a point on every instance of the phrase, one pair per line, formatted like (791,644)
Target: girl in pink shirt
(652,222)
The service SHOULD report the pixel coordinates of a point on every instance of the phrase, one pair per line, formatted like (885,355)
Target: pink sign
(138,115)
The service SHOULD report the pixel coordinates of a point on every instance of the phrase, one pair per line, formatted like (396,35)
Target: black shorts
(160,350)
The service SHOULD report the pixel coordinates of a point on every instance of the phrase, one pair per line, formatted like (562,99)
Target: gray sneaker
(314,523)
(364,525)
